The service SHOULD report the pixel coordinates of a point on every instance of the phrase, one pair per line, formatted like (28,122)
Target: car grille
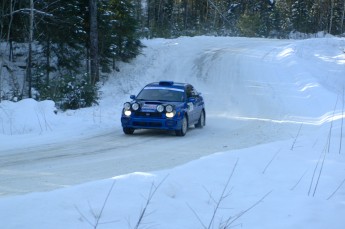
(147,124)
(148,114)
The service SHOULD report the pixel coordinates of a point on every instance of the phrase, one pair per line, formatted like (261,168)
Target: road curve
(231,91)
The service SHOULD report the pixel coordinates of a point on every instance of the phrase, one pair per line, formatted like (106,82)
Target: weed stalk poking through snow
(342,122)
(268,164)
(330,129)
(295,140)
(97,217)
(231,220)
(151,194)
(223,196)
(326,149)
(335,191)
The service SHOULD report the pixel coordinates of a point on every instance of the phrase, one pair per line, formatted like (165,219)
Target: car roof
(168,84)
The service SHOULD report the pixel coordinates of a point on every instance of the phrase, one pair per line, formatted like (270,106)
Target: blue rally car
(164,105)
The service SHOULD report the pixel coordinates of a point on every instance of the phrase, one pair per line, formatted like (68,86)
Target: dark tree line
(71,43)
(242,17)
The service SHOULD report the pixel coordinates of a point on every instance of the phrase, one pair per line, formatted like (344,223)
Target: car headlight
(169,108)
(135,106)
(127,106)
(170,114)
(160,108)
(128,112)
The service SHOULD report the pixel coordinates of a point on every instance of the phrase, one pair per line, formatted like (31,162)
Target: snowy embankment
(280,165)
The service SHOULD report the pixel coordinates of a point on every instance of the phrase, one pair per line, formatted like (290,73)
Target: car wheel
(184,127)
(128,130)
(202,120)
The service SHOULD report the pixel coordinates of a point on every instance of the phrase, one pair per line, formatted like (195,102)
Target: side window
(194,93)
(189,91)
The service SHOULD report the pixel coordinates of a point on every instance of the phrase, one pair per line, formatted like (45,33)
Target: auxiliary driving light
(160,108)
(169,108)
(135,106)
(127,106)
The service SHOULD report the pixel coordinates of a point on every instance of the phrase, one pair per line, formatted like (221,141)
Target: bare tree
(94,62)
(331,17)
(31,33)
(342,18)
(9,31)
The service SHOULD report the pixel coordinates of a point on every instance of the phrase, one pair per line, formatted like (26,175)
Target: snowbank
(27,117)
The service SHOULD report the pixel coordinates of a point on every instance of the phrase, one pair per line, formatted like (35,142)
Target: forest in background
(60,49)
(253,18)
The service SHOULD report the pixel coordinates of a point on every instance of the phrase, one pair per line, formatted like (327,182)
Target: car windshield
(160,94)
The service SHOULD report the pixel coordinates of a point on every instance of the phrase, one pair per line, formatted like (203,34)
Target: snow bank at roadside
(277,185)
(305,60)
(29,123)
(27,117)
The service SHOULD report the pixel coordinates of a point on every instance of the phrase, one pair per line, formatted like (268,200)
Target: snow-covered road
(51,166)
(246,106)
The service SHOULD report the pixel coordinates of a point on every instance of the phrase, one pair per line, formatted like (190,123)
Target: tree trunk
(88,61)
(94,62)
(331,17)
(48,61)
(185,15)
(31,28)
(342,19)
(10,57)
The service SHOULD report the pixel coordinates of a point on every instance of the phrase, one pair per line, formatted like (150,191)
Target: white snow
(272,153)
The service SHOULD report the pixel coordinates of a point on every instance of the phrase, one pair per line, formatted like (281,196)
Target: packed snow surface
(271,155)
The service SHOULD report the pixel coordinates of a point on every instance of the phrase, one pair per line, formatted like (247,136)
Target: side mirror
(132,97)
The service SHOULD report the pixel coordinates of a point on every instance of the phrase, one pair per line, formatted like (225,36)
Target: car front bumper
(151,123)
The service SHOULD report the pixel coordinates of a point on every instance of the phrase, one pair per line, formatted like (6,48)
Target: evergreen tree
(256,19)
(124,42)
(336,19)
(249,24)
(281,22)
(300,16)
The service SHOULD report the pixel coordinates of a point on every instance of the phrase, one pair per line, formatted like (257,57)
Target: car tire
(184,127)
(128,130)
(202,120)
